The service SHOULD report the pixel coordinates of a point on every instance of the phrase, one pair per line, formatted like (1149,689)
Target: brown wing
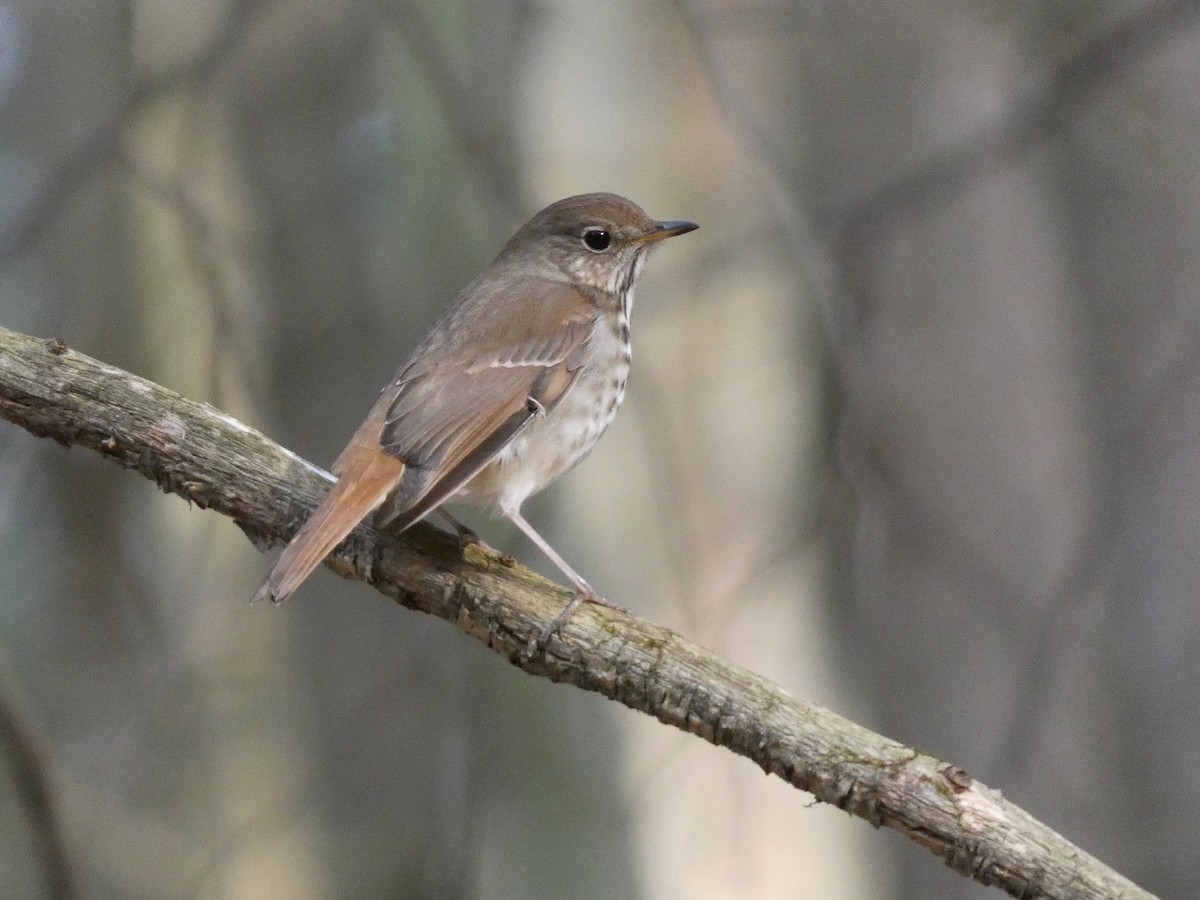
(477,380)
(470,391)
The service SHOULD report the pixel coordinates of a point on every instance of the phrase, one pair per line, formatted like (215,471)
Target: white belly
(553,444)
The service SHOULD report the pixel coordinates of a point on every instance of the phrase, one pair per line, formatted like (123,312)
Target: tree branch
(215,462)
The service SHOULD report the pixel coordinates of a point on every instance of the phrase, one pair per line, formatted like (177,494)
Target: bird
(510,389)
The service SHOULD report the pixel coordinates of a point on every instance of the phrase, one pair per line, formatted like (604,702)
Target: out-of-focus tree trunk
(1006,245)
(1129,202)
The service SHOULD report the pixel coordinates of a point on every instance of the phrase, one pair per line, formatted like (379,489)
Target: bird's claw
(581,596)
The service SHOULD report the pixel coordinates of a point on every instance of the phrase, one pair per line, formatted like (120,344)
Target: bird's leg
(583,591)
(465,535)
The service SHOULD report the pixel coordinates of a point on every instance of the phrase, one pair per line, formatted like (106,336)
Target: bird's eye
(597,239)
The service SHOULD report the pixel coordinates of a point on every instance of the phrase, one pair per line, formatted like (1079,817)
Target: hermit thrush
(512,387)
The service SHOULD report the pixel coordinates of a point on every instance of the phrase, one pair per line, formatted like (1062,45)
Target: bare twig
(467,99)
(946,174)
(212,460)
(76,169)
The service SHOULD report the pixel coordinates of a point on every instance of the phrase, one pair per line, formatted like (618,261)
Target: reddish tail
(365,481)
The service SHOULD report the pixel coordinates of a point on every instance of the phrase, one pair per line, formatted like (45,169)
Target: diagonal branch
(210,459)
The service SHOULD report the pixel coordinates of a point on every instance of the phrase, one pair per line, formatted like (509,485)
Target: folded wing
(448,421)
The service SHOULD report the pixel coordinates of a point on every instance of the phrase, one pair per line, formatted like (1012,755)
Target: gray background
(913,429)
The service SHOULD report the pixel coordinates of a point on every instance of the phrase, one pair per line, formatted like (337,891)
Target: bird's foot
(583,595)
(467,537)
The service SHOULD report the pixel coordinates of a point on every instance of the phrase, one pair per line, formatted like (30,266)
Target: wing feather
(465,395)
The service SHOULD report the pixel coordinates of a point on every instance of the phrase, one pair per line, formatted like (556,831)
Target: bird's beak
(663,230)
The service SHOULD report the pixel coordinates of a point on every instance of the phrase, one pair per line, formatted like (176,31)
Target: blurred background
(913,429)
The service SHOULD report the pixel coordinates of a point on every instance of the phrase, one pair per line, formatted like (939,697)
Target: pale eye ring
(597,239)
